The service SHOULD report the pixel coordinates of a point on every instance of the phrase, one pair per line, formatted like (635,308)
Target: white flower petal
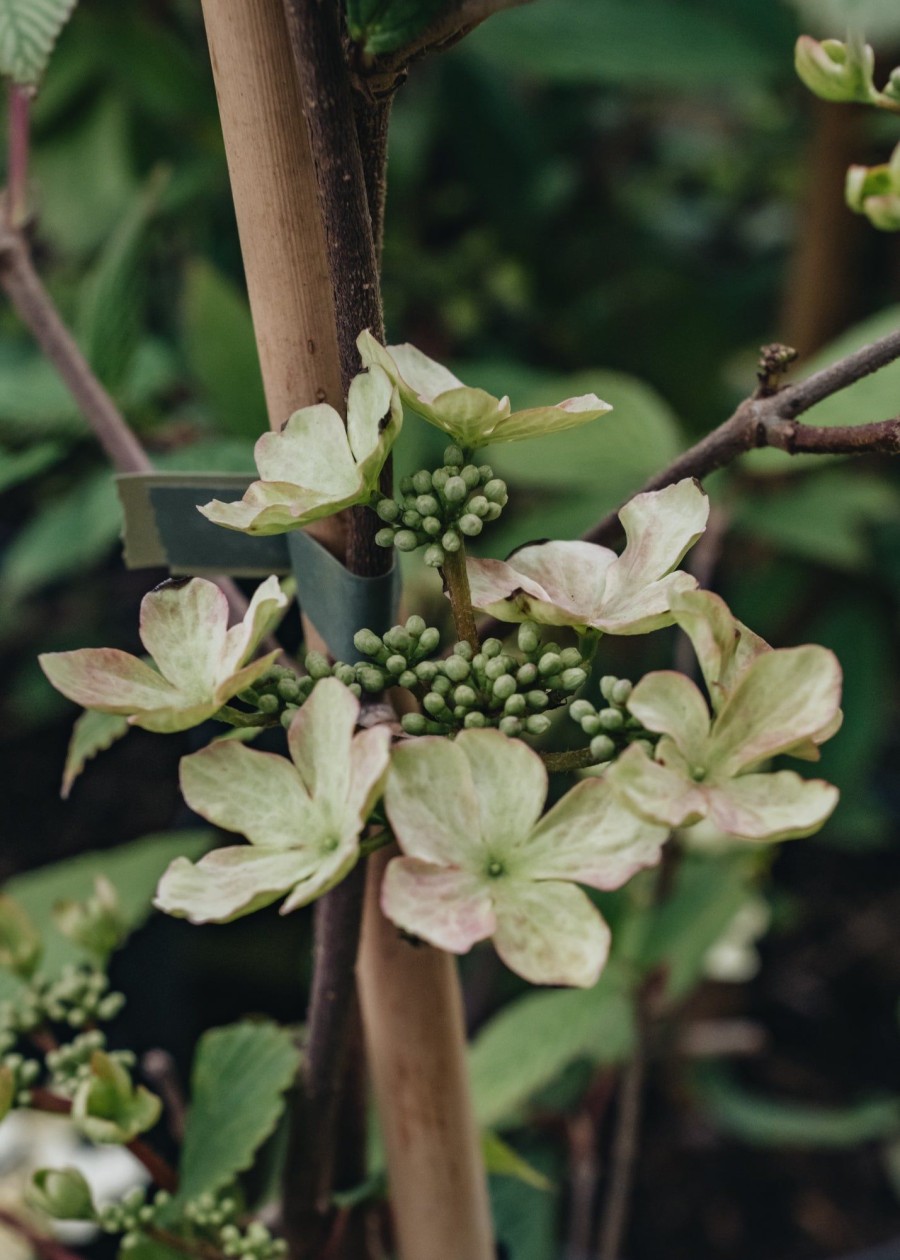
(108,680)
(319,741)
(510,785)
(183,627)
(537,421)
(668,703)
(229,883)
(431,803)
(447,907)
(656,792)
(724,646)
(311,451)
(374,420)
(550,933)
(555,583)
(779,806)
(591,838)
(242,640)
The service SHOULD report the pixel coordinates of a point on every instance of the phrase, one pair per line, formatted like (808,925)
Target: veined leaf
(28,31)
(503,1160)
(239,1079)
(92,733)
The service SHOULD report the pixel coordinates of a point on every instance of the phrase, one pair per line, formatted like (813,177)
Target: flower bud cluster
(279,693)
(131,1216)
(80,996)
(398,658)
(437,510)
(217,1215)
(611,728)
(492,687)
(70,1064)
(24,1073)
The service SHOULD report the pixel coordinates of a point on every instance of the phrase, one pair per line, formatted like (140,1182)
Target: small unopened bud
(395,665)
(526,674)
(620,693)
(511,726)
(457,669)
(62,1194)
(471,525)
(432,526)
(405,540)
(415,625)
(455,490)
(427,505)
(471,476)
(385,538)
(453,456)
(836,71)
(413,723)
(478,505)
(474,720)
(421,481)
(549,664)
(367,642)
(429,639)
(611,719)
(451,541)
(537,724)
(388,510)
(317,665)
(465,695)
(504,687)
(434,556)
(602,748)
(572,679)
(516,704)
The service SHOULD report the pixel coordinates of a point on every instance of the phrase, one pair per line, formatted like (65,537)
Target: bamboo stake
(412,1010)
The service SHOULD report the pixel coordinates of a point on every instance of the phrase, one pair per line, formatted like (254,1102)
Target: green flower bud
(367,642)
(537,724)
(485,472)
(426,671)
(474,720)
(388,510)
(398,639)
(572,679)
(108,1108)
(405,540)
(415,625)
(591,724)
(395,665)
(611,719)
(434,556)
(427,505)
(439,478)
(62,1194)
(406,485)
(411,519)
(495,491)
(464,695)
(289,690)
(457,668)
(478,505)
(268,705)
(496,666)
(435,704)
(607,683)
(385,538)
(516,705)
(371,678)
(579,709)
(407,679)
(620,692)
(571,658)
(453,455)
(836,71)
(537,700)
(97,924)
(451,541)
(429,639)
(463,649)
(494,510)
(442,685)
(471,476)
(431,526)
(504,687)
(344,673)
(413,723)
(492,647)
(470,524)
(421,481)
(602,748)
(511,726)
(549,664)
(20,942)
(455,490)
(317,665)
(526,674)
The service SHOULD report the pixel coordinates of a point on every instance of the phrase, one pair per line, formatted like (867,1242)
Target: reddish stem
(46,1248)
(18,152)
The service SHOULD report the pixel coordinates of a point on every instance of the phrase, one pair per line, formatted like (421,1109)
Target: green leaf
(763,1121)
(28,31)
(134,869)
(383,26)
(825,518)
(92,733)
(221,350)
(67,537)
(111,307)
(19,466)
(531,1041)
(879,19)
(239,1079)
(502,1160)
(872,398)
(708,892)
(648,43)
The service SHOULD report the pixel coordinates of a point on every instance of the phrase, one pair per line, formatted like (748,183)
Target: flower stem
(19,143)
(456,584)
(574,759)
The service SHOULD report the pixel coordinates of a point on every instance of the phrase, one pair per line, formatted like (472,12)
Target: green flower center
(329,845)
(698,773)
(495,869)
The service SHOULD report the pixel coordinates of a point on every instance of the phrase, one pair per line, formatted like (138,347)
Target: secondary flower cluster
(480,857)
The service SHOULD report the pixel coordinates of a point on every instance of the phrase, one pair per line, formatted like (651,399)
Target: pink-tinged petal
(431,803)
(447,907)
(724,646)
(499,589)
(668,703)
(778,806)
(555,583)
(537,421)
(319,741)
(550,933)
(370,756)
(311,451)
(255,793)
(180,718)
(108,680)
(183,627)
(276,507)
(510,785)
(263,613)
(244,678)
(374,421)
(422,376)
(590,837)
(656,792)
(660,526)
(784,697)
(228,883)
(331,867)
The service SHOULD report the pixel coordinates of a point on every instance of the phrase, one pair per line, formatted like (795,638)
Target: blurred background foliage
(626,196)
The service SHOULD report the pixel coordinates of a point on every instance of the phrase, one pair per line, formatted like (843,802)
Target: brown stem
(195,1248)
(372,124)
(456,584)
(624,1155)
(162,1172)
(18,155)
(572,759)
(46,1248)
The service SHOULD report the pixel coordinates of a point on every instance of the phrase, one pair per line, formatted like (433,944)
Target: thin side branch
(772,421)
(37,310)
(626,1141)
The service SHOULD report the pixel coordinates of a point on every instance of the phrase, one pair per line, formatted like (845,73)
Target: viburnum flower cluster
(462,787)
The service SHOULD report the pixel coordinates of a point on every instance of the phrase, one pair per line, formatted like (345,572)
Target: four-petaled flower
(303,820)
(480,861)
(315,466)
(201,664)
(472,417)
(705,769)
(584,585)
